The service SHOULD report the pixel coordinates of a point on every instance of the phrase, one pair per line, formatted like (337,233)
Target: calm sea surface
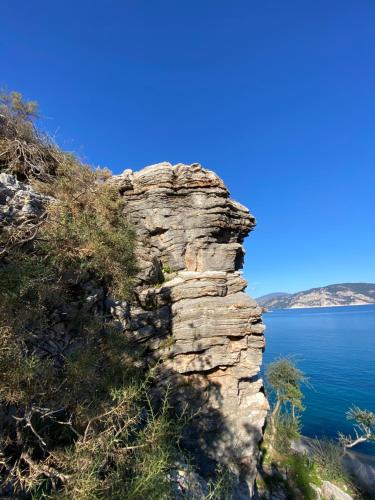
(335,347)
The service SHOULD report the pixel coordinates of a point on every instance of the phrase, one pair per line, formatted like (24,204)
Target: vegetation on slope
(284,470)
(78,423)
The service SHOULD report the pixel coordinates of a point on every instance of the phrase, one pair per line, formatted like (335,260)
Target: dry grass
(77,425)
(23,150)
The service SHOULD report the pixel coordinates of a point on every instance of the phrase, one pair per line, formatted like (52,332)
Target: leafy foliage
(302,475)
(287,429)
(288,471)
(291,476)
(364,427)
(285,380)
(85,229)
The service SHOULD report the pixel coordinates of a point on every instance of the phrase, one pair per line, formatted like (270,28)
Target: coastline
(317,307)
(331,305)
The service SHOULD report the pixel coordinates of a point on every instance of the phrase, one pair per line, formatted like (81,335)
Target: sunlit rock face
(20,205)
(192,312)
(190,316)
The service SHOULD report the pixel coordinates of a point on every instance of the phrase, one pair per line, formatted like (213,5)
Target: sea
(335,348)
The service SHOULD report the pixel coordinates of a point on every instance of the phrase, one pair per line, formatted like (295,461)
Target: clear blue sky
(278,97)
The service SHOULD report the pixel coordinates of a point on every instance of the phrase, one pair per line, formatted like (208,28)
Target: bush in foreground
(78,423)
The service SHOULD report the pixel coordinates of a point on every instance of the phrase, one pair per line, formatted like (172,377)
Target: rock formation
(19,203)
(192,310)
(190,317)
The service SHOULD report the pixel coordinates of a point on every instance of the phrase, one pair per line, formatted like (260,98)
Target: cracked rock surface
(193,312)
(191,316)
(19,203)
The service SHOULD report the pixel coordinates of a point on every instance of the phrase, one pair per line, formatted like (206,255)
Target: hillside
(342,294)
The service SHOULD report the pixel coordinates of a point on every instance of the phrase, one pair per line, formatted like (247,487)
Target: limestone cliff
(190,317)
(191,292)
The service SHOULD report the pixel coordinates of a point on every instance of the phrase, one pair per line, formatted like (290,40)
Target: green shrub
(221,487)
(167,270)
(78,425)
(328,456)
(302,474)
(364,427)
(287,429)
(85,228)
(123,453)
(284,380)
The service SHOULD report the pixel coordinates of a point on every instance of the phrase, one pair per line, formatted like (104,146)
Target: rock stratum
(190,317)
(190,236)
(342,294)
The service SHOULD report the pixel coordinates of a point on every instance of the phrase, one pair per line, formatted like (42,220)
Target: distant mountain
(272,296)
(342,294)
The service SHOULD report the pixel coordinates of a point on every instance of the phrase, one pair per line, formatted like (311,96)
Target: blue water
(335,348)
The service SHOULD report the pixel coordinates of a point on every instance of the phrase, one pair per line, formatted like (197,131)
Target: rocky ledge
(192,311)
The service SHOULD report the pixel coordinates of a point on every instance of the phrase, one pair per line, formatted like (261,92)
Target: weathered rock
(190,315)
(187,484)
(19,203)
(332,492)
(190,236)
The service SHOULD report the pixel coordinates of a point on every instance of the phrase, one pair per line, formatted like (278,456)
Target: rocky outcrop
(190,318)
(193,312)
(332,492)
(20,204)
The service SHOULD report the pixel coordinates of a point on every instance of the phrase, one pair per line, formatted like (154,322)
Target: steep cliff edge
(189,317)
(190,236)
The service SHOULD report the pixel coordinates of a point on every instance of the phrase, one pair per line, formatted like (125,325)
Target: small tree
(24,150)
(284,380)
(364,427)
(17,117)
(14,105)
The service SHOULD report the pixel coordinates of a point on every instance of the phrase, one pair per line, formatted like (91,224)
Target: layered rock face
(190,317)
(192,311)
